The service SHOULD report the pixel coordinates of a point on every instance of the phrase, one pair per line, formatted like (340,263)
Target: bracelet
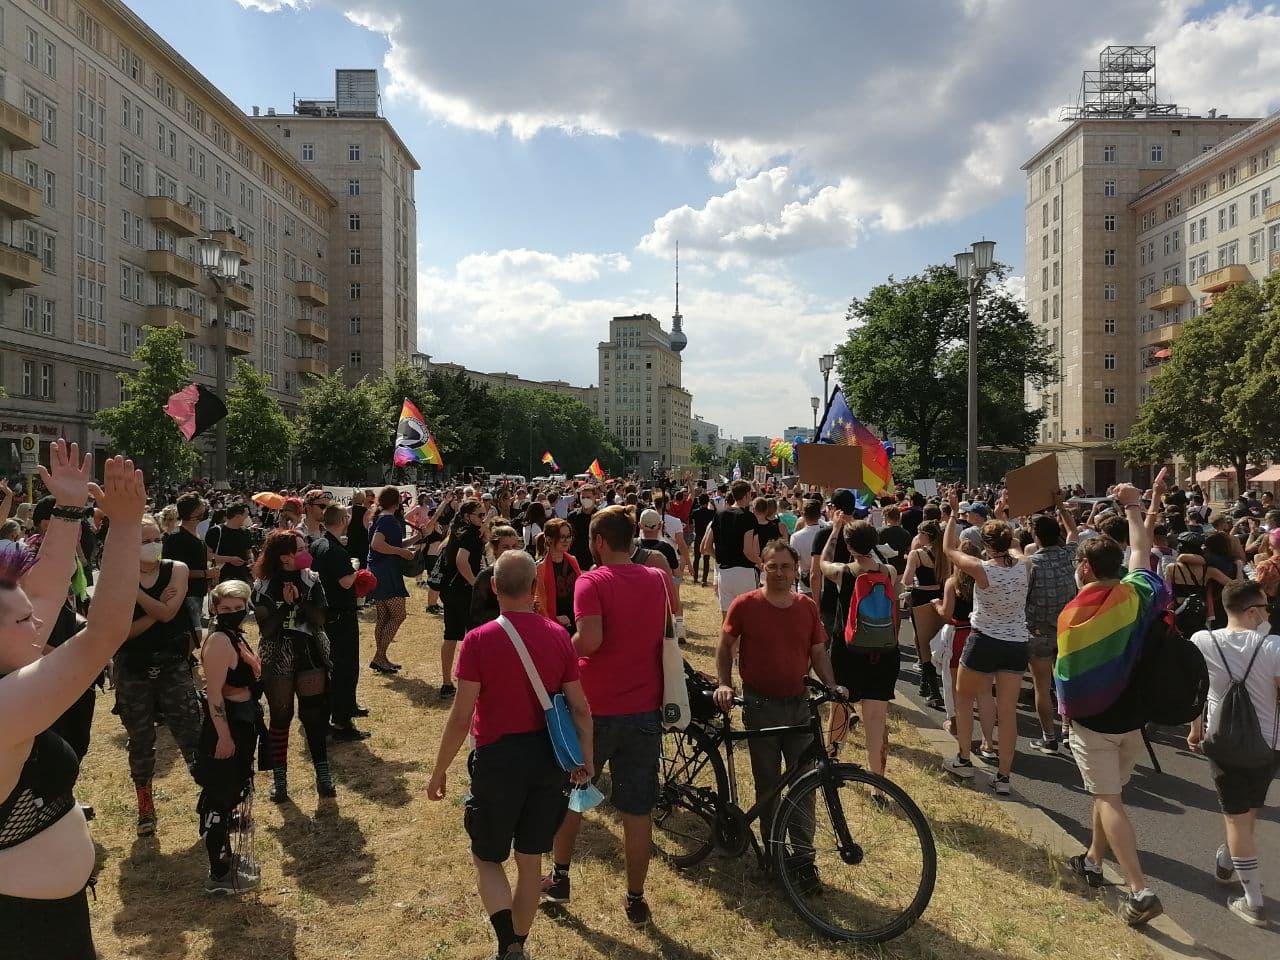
(68,513)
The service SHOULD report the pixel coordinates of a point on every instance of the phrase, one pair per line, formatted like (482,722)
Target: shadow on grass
(420,693)
(609,946)
(380,781)
(326,855)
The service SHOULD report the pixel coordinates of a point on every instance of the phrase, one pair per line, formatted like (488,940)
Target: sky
(798,153)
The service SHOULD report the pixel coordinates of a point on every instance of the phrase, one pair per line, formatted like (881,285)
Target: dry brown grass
(386,875)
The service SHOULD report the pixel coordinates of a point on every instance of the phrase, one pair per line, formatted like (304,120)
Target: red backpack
(872,623)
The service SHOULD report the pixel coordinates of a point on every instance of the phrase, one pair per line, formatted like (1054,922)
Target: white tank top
(1000,611)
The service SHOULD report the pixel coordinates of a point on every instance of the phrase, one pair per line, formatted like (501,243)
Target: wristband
(68,513)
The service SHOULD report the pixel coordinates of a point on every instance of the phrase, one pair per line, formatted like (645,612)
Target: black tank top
(1187,588)
(160,642)
(926,576)
(241,675)
(963,610)
(42,795)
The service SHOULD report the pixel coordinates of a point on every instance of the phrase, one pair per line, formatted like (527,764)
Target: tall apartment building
(115,156)
(372,257)
(1082,255)
(708,434)
(641,399)
(509,381)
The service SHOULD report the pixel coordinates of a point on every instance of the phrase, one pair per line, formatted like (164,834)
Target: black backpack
(1172,678)
(1238,741)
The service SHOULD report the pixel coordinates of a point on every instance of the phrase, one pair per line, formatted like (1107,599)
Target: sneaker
(1081,867)
(514,952)
(1000,784)
(637,910)
(1254,916)
(1224,875)
(233,883)
(147,824)
(279,793)
(555,888)
(808,882)
(936,702)
(435,608)
(958,766)
(986,754)
(247,868)
(1045,745)
(1137,909)
(447,690)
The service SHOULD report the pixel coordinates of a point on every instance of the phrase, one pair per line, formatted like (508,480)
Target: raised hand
(68,476)
(123,494)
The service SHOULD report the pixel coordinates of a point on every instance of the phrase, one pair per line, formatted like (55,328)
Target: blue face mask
(582,799)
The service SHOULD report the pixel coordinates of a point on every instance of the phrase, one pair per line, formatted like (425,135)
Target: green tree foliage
(702,456)
(533,421)
(259,435)
(1214,401)
(344,431)
(904,366)
(470,435)
(139,427)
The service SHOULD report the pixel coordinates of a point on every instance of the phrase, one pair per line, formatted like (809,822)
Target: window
(1057,170)
(353,293)
(353,188)
(1232,215)
(1044,247)
(50,124)
(48,317)
(1157,153)
(1108,431)
(1044,278)
(1056,307)
(353,256)
(1044,177)
(1254,209)
(50,64)
(1108,258)
(1055,239)
(1266,199)
(308,152)
(1222,219)
(1109,396)
(1192,236)
(1109,222)
(1109,153)
(30,304)
(1255,247)
(28,378)
(86,391)
(33,45)
(353,152)
(50,252)
(1109,326)
(1108,291)
(50,188)
(353,221)
(1057,274)
(1108,361)
(1044,214)
(354,360)
(353,326)
(1056,208)
(1108,188)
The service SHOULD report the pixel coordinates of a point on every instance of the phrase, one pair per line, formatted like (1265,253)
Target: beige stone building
(641,398)
(1087,276)
(510,381)
(372,254)
(116,154)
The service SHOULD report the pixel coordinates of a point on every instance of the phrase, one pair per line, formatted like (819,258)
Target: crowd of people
(562,589)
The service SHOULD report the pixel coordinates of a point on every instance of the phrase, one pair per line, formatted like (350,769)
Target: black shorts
(984,654)
(518,797)
(48,929)
(631,744)
(1243,789)
(457,611)
(867,674)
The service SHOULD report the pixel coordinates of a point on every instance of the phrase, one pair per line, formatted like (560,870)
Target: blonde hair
(233,589)
(168,519)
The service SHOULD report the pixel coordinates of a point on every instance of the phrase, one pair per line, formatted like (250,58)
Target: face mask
(302,560)
(151,552)
(1263,629)
(1079,582)
(231,621)
(588,503)
(584,798)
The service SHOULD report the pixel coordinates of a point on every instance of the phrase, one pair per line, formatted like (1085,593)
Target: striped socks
(1247,871)
(324,778)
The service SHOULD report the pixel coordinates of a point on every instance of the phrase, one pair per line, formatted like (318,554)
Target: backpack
(1237,741)
(1173,681)
(1192,613)
(873,613)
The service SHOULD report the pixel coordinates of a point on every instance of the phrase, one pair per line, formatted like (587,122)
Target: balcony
(1167,298)
(230,241)
(1162,334)
(311,329)
(1215,281)
(313,293)
(239,341)
(238,296)
(184,272)
(181,220)
(166,316)
(313,366)
(18,268)
(18,130)
(1271,212)
(17,200)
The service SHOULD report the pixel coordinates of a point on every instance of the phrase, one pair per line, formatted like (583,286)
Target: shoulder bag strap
(539,688)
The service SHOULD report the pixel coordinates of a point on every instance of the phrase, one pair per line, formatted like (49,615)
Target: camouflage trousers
(141,694)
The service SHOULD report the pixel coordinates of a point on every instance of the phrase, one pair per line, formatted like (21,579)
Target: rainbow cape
(414,442)
(1100,641)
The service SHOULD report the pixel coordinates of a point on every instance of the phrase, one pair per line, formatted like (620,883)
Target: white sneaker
(958,767)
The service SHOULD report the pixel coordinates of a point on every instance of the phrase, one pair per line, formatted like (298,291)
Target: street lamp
(815,403)
(222,266)
(972,267)
(825,363)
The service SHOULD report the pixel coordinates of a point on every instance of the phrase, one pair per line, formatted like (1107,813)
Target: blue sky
(799,154)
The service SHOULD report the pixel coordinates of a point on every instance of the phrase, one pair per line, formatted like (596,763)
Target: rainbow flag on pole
(595,469)
(414,442)
(550,461)
(840,426)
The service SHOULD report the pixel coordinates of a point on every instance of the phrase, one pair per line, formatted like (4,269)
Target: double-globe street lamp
(973,267)
(825,363)
(222,266)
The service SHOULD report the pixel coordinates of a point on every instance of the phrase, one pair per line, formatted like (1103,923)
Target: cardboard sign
(926,488)
(1032,488)
(830,465)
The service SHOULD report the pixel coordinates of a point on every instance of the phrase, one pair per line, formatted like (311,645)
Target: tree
(259,435)
(343,430)
(534,421)
(138,426)
(470,431)
(702,456)
(904,366)
(1214,400)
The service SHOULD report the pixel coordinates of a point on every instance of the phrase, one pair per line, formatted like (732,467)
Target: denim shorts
(984,654)
(631,744)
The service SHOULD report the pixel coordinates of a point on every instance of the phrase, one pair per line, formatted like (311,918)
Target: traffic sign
(29,453)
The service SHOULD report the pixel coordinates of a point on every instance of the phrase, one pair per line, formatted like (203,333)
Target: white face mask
(151,552)
(1079,582)
(1263,629)
(588,503)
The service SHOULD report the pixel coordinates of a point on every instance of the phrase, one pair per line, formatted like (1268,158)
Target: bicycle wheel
(871,890)
(692,784)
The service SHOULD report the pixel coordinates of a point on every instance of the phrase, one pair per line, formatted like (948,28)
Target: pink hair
(15,561)
(1274,537)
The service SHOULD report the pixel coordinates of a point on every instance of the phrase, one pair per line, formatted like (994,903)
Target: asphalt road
(1175,814)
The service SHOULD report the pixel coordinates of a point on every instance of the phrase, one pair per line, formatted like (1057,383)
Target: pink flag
(182,407)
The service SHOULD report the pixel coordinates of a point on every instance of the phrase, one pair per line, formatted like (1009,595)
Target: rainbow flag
(595,469)
(414,442)
(1100,640)
(840,426)
(550,461)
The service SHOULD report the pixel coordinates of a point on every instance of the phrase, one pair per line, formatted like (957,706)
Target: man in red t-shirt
(776,635)
(518,791)
(621,611)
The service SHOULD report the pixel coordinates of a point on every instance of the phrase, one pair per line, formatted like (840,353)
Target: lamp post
(825,363)
(222,266)
(973,267)
(815,403)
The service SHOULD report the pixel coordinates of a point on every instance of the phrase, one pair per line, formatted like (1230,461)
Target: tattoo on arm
(220,711)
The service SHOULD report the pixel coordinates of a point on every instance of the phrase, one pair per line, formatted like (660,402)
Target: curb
(1164,934)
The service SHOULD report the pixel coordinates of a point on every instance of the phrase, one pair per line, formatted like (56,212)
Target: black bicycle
(854,853)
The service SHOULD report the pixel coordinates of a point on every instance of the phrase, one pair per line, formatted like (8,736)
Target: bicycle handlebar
(826,694)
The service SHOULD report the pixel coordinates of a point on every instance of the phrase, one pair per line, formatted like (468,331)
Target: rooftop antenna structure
(678,340)
(1122,88)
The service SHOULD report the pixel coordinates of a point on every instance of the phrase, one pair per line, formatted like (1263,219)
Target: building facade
(642,401)
(115,156)
(708,434)
(510,381)
(372,254)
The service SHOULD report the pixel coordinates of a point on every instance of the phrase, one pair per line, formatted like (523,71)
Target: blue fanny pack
(564,735)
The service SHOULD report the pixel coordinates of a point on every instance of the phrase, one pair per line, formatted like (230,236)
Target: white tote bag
(675,692)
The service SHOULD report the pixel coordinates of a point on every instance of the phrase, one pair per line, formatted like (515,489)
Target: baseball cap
(315,496)
(650,519)
(981,509)
(965,506)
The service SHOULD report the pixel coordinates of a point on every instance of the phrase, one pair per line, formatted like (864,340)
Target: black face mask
(232,621)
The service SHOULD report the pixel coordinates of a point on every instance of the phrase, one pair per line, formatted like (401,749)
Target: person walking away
(925,572)
(557,574)
(730,536)
(651,538)
(387,547)
(463,559)
(358,530)
(580,520)
(187,547)
(621,610)
(776,637)
(484,602)
(1053,585)
(701,516)
(332,562)
(519,794)
(802,542)
(230,545)
(1100,697)
(1243,656)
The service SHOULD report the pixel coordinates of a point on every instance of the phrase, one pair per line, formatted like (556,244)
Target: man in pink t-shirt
(621,611)
(519,794)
